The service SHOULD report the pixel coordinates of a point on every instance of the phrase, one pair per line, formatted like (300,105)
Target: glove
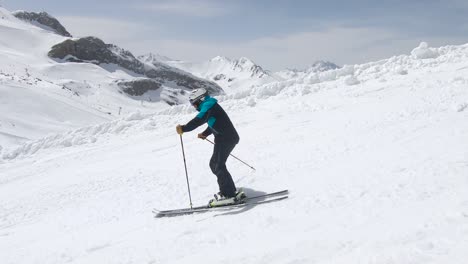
(179,129)
(201,136)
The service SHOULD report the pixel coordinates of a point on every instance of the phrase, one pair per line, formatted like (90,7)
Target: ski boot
(221,200)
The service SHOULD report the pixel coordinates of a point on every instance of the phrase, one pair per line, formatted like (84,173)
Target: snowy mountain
(374,156)
(231,75)
(318,66)
(37,98)
(168,83)
(51,83)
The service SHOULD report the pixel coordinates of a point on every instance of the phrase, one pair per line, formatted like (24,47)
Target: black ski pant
(221,152)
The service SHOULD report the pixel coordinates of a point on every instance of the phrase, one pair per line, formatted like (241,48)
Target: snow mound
(424,52)
(397,65)
(351,80)
(130,124)
(77,137)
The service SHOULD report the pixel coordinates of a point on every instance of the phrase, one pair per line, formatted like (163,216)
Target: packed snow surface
(375,157)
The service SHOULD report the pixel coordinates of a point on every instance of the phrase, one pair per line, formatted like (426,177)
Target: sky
(275,34)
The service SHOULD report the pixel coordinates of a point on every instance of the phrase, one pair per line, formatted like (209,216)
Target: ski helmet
(197,95)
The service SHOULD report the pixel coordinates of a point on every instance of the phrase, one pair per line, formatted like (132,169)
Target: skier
(226,138)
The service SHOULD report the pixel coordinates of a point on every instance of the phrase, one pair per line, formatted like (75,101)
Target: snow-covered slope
(32,104)
(232,75)
(374,155)
(40,95)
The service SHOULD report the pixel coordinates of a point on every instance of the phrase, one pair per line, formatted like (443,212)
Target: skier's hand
(179,129)
(201,136)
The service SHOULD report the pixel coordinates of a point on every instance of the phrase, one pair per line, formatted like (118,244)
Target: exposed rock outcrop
(43,20)
(139,87)
(94,50)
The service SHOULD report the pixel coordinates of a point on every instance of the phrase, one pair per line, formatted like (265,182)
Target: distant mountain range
(231,74)
(236,74)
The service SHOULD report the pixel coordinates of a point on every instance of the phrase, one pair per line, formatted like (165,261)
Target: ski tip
(157,213)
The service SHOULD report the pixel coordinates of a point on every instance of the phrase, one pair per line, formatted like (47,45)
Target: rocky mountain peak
(43,20)
(245,64)
(153,75)
(321,66)
(245,61)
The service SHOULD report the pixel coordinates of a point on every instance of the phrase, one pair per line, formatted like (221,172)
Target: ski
(202,209)
(254,200)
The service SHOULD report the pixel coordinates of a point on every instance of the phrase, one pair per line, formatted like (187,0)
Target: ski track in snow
(375,157)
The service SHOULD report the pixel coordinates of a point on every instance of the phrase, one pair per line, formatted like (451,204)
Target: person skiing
(226,138)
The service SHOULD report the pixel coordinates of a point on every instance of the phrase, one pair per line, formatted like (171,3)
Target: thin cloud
(109,30)
(199,8)
(340,45)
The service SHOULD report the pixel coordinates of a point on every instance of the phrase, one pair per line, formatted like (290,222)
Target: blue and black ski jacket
(218,121)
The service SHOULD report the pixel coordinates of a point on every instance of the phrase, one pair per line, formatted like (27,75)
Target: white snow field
(375,157)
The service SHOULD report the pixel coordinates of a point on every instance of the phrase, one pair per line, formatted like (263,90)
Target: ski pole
(186,173)
(234,157)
